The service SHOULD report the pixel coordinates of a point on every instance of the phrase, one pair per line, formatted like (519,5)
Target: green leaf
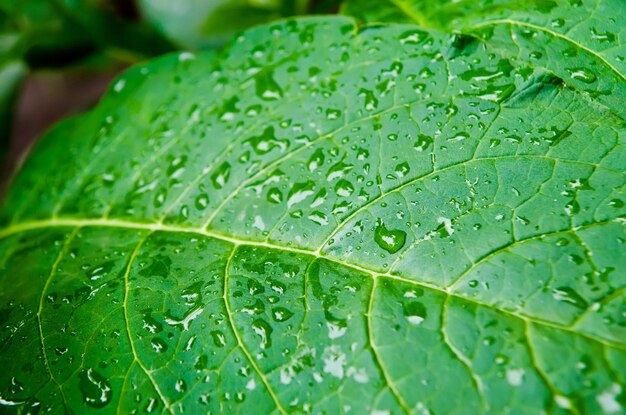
(581,41)
(322,218)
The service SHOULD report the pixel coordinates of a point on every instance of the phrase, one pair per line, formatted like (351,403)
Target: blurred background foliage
(58,56)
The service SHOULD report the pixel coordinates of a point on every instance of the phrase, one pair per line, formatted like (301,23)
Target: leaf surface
(581,41)
(322,218)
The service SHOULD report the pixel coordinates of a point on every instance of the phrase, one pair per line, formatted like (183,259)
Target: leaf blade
(343,249)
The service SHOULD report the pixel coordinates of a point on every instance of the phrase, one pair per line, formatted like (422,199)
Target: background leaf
(12,74)
(323,218)
(58,32)
(72,38)
(197,24)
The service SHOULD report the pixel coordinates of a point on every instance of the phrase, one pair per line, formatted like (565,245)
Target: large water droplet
(267,141)
(602,37)
(266,87)
(413,37)
(221,175)
(423,142)
(281,314)
(415,312)
(316,160)
(202,201)
(570,296)
(582,74)
(95,388)
(264,331)
(370,102)
(158,345)
(391,240)
(299,192)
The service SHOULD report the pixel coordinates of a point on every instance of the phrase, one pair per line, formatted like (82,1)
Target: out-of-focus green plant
(60,33)
(199,24)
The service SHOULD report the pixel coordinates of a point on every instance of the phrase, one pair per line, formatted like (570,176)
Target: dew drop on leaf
(218,338)
(267,88)
(569,296)
(423,142)
(221,175)
(202,201)
(180,386)
(158,345)
(281,314)
(391,240)
(582,74)
(264,331)
(95,388)
(415,312)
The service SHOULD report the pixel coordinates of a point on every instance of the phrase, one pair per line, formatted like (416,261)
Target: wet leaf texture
(330,219)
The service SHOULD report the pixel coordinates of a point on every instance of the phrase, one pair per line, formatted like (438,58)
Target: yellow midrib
(159,227)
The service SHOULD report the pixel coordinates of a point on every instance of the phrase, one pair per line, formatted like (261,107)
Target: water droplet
(60,350)
(267,141)
(391,240)
(333,114)
(489,341)
(501,359)
(318,218)
(255,307)
(180,386)
(151,325)
(316,160)
(562,242)
(423,142)
(338,171)
(426,73)
(602,37)
(202,201)
(402,169)
(344,188)
(221,175)
(158,345)
(370,102)
(415,312)
(176,167)
(570,296)
(264,331)
(413,37)
(266,87)
(515,377)
(459,137)
(218,339)
(95,388)
(281,314)
(524,221)
(582,74)
(299,192)
(274,195)
(556,23)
